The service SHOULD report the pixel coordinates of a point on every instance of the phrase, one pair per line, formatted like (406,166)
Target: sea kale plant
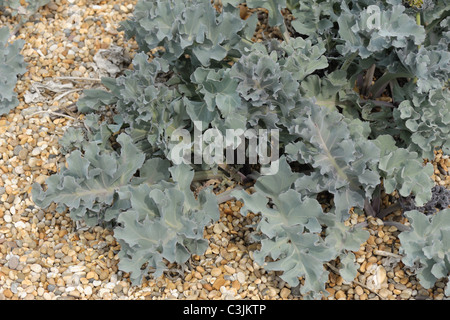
(426,247)
(12,63)
(355,97)
(11,66)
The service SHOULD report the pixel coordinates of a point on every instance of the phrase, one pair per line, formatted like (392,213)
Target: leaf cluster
(426,248)
(11,66)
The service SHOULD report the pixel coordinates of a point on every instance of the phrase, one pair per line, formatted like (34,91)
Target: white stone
(19,225)
(102,292)
(75,269)
(110,286)
(88,290)
(96,283)
(36,151)
(240,277)
(70,288)
(19,170)
(217,229)
(47,296)
(36,267)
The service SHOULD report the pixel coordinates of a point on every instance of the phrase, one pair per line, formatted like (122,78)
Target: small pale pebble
(75,293)
(117,288)
(380,275)
(272,292)
(88,290)
(217,229)
(20,225)
(75,269)
(359,291)
(19,170)
(215,272)
(47,296)
(284,293)
(340,295)
(102,292)
(13,262)
(36,151)
(406,294)
(104,275)
(40,291)
(23,153)
(240,277)
(110,286)
(70,289)
(229,269)
(96,283)
(36,268)
(384,293)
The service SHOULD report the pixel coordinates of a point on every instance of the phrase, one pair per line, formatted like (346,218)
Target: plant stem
(368,80)
(249,42)
(418,46)
(349,60)
(207,175)
(226,196)
(385,78)
(386,254)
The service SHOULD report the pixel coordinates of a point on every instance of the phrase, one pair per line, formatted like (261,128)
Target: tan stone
(384,293)
(207,286)
(284,293)
(7,293)
(215,272)
(359,291)
(381,275)
(229,269)
(340,295)
(200,269)
(218,283)
(236,285)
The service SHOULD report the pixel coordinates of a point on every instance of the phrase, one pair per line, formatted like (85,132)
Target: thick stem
(385,80)
(368,80)
(226,195)
(383,213)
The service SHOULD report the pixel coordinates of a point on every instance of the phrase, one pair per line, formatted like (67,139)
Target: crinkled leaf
(11,65)
(91,179)
(425,246)
(344,158)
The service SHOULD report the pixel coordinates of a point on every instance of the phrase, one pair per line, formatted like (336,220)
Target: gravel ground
(46,256)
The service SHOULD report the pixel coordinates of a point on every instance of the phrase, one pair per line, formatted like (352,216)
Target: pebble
(359,291)
(406,294)
(340,295)
(285,292)
(217,229)
(229,269)
(36,268)
(241,277)
(215,272)
(13,262)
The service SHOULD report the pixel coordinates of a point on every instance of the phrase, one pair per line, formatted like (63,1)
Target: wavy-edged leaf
(344,158)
